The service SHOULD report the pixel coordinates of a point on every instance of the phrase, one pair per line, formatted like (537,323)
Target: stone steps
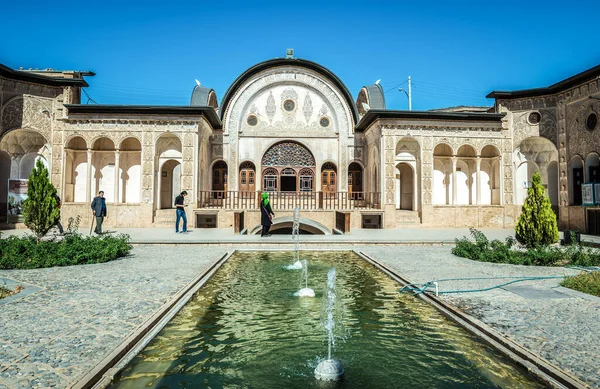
(407,218)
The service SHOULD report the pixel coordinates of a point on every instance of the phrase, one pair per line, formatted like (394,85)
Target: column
(478,178)
(117,177)
(416,187)
(454,161)
(159,185)
(88,184)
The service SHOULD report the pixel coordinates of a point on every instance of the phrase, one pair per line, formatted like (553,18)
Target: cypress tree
(40,209)
(537,223)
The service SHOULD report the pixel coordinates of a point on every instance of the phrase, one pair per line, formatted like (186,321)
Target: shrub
(26,253)
(537,223)
(481,249)
(585,282)
(40,209)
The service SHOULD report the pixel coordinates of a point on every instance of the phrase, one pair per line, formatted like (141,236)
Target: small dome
(204,97)
(370,97)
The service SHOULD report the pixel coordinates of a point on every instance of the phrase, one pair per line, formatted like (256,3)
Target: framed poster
(587,194)
(17,192)
(597,193)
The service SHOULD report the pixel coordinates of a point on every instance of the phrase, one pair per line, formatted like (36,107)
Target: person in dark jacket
(180,209)
(99,210)
(59,204)
(266,214)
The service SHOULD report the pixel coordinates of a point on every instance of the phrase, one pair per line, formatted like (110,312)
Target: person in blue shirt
(99,210)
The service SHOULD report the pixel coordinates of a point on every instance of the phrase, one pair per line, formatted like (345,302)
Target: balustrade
(235,200)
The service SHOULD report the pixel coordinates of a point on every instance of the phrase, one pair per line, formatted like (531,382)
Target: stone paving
(556,323)
(53,336)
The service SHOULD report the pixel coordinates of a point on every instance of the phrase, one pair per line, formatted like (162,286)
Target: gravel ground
(51,337)
(560,325)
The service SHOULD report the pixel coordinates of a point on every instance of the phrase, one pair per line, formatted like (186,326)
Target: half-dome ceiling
(281,62)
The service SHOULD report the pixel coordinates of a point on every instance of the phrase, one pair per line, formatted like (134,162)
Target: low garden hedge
(484,250)
(72,249)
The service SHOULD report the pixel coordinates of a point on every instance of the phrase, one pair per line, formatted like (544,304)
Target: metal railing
(289,200)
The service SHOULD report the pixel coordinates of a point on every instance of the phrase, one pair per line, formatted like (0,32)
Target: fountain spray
(304,291)
(330,369)
(296,237)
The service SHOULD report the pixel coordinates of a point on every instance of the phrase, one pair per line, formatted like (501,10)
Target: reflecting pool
(246,329)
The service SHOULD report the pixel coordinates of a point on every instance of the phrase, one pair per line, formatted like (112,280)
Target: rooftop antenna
(289,53)
(377,82)
(197,82)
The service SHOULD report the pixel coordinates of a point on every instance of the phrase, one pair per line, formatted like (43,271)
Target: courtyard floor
(73,316)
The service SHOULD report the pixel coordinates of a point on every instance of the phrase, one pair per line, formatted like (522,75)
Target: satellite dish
(366,107)
(197,82)
(377,82)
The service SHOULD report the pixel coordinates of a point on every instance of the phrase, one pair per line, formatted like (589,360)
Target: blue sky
(455,51)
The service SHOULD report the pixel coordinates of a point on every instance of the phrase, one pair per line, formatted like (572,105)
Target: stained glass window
(288,154)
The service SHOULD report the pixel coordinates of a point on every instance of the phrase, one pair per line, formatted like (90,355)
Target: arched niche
(534,154)
(442,174)
(130,170)
(103,168)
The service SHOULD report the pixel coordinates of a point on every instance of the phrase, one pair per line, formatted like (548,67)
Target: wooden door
(355,184)
(247,182)
(328,181)
(219,181)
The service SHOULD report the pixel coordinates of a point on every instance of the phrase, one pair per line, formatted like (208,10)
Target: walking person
(99,210)
(180,209)
(58,204)
(266,214)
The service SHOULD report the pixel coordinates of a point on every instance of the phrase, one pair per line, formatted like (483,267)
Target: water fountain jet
(330,369)
(305,291)
(296,237)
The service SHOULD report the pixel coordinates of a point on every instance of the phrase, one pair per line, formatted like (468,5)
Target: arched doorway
(404,186)
(103,168)
(407,177)
(489,173)
(168,148)
(442,174)
(76,170)
(355,181)
(170,185)
(247,179)
(130,171)
(536,154)
(576,179)
(592,164)
(287,179)
(288,167)
(219,179)
(465,173)
(328,178)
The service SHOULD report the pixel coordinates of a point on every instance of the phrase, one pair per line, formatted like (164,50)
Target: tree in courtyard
(40,209)
(537,223)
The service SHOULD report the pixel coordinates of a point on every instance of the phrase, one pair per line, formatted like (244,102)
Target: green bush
(537,223)
(586,282)
(481,249)
(40,209)
(75,249)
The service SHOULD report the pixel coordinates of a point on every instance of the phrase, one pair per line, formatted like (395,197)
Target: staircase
(409,219)
(165,218)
